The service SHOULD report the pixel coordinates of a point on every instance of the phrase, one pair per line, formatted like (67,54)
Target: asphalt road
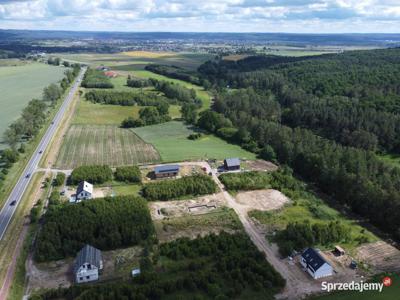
(17,193)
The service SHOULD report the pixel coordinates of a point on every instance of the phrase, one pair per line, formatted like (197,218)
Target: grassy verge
(7,245)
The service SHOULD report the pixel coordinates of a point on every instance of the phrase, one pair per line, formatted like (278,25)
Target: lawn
(170,139)
(126,189)
(388,293)
(20,84)
(88,113)
(103,144)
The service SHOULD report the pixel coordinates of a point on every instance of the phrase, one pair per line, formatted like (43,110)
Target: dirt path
(11,269)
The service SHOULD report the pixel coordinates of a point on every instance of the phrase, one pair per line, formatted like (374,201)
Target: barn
(166,171)
(232,164)
(315,264)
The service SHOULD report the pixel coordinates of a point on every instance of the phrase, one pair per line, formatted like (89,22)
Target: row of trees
(219,267)
(128,174)
(106,223)
(298,236)
(246,181)
(173,189)
(149,116)
(173,72)
(177,92)
(93,174)
(124,98)
(96,79)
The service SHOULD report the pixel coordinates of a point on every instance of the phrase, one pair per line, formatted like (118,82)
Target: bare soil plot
(260,165)
(193,225)
(263,200)
(380,256)
(169,209)
(103,144)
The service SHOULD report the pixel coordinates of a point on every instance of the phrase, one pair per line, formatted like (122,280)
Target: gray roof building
(88,255)
(166,169)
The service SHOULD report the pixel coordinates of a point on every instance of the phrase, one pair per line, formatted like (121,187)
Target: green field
(88,113)
(103,144)
(19,84)
(392,159)
(170,139)
(388,293)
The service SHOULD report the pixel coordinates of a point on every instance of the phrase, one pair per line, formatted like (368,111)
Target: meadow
(103,145)
(20,84)
(170,140)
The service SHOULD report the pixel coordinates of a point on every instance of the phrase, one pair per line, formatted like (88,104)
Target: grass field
(103,144)
(392,159)
(19,84)
(88,113)
(388,293)
(170,139)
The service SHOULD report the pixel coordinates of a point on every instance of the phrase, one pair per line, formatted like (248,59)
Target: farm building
(232,164)
(166,171)
(315,264)
(84,191)
(111,74)
(88,263)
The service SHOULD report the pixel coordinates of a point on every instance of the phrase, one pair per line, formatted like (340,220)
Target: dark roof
(84,186)
(166,169)
(88,254)
(232,162)
(313,258)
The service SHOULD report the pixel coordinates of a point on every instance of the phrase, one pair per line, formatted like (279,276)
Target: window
(80,278)
(87,277)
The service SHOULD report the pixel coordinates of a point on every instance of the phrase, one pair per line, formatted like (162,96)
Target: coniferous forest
(328,117)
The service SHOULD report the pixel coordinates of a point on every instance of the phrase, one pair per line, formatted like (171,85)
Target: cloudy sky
(298,16)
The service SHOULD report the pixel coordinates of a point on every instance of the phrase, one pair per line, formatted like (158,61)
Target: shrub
(128,174)
(93,174)
(59,180)
(172,189)
(246,181)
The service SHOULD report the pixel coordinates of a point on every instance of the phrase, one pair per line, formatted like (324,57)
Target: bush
(54,198)
(93,174)
(172,189)
(35,211)
(194,136)
(246,181)
(59,180)
(128,174)
(107,223)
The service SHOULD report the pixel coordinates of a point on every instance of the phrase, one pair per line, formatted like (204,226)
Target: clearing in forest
(103,145)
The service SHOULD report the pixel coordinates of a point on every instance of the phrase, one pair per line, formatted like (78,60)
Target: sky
(295,16)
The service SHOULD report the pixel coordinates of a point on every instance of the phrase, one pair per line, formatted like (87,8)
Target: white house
(88,263)
(84,191)
(315,264)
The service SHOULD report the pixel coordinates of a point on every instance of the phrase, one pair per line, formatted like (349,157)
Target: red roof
(110,74)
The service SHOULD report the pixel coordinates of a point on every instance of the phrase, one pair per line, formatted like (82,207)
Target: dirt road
(297,283)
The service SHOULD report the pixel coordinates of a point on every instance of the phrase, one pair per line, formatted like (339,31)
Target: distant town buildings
(88,263)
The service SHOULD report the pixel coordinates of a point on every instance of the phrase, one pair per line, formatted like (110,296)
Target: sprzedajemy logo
(356,286)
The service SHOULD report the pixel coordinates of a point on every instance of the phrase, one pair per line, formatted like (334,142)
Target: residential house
(315,264)
(84,191)
(88,264)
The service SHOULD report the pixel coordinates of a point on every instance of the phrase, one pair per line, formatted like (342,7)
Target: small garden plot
(263,200)
(103,145)
(380,255)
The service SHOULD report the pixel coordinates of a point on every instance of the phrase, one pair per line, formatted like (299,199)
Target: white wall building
(88,263)
(84,191)
(315,264)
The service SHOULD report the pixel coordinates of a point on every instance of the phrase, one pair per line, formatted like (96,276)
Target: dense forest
(106,223)
(219,267)
(327,117)
(185,186)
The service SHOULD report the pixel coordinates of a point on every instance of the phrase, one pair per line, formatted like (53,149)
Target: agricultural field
(103,144)
(170,140)
(20,84)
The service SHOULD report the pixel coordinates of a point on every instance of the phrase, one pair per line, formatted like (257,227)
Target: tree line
(253,180)
(107,223)
(174,72)
(96,79)
(124,98)
(94,174)
(172,189)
